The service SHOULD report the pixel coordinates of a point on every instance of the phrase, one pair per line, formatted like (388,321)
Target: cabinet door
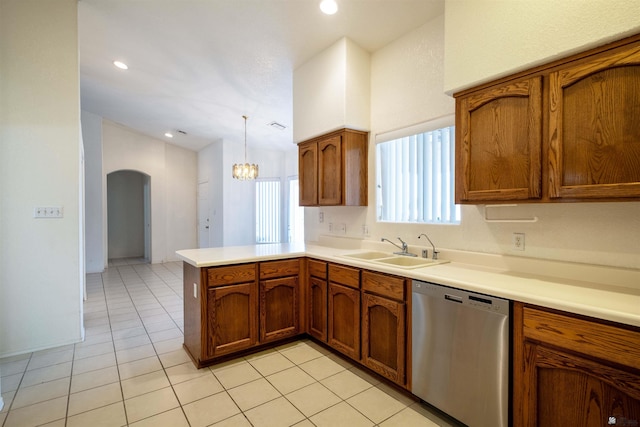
(308,173)
(383,336)
(318,308)
(594,131)
(279,310)
(232,321)
(498,143)
(573,371)
(330,171)
(567,390)
(344,320)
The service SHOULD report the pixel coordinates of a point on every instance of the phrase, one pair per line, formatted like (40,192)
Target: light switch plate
(48,212)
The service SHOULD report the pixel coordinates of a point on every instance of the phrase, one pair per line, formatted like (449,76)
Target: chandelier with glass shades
(245,171)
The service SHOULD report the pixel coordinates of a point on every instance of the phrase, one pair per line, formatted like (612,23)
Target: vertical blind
(268,210)
(415,178)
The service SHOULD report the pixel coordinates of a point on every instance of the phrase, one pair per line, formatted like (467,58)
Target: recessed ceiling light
(328,7)
(168,134)
(121,65)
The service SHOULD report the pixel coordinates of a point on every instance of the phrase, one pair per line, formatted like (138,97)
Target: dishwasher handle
(453,298)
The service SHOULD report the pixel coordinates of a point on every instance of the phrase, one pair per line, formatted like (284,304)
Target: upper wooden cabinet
(566,131)
(333,169)
(308,173)
(500,142)
(594,127)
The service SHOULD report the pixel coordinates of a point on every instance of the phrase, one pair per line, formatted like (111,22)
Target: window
(268,210)
(415,178)
(296,213)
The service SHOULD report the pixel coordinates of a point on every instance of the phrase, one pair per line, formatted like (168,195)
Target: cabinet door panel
(383,336)
(330,171)
(308,174)
(318,308)
(575,391)
(594,136)
(499,143)
(279,312)
(344,320)
(232,318)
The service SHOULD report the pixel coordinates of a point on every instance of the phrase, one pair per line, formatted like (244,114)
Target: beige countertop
(603,292)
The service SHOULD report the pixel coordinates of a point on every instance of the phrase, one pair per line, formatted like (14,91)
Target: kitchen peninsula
(239,300)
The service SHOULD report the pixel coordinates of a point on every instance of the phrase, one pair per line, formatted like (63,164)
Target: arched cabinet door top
(594,136)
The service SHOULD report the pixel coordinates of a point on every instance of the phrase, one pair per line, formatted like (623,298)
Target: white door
(203,214)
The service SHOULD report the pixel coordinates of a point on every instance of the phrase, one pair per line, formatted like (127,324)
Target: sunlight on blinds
(415,179)
(268,210)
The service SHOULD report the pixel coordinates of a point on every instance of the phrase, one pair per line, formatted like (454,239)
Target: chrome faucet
(404,249)
(435,252)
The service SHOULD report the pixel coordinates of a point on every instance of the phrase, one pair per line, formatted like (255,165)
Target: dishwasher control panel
(459,296)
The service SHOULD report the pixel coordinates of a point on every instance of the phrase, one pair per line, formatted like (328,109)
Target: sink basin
(398,261)
(409,262)
(368,255)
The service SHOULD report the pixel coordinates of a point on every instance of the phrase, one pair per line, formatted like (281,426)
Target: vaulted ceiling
(199,66)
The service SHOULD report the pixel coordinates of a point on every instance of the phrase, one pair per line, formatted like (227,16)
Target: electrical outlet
(342,228)
(330,227)
(365,230)
(321,217)
(518,241)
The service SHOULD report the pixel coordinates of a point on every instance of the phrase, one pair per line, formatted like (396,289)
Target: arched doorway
(128,217)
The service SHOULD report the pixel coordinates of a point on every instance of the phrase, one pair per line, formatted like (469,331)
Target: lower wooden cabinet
(279,299)
(231,319)
(317,299)
(234,308)
(573,371)
(279,309)
(344,320)
(384,325)
(318,308)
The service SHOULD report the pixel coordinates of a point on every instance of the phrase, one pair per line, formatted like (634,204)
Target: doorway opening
(128,217)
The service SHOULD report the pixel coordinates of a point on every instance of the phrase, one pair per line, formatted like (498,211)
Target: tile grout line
(164,369)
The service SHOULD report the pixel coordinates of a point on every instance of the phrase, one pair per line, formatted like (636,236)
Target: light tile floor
(131,370)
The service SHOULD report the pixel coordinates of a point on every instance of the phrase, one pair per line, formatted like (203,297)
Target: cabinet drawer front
(318,269)
(590,338)
(218,276)
(381,284)
(289,267)
(344,275)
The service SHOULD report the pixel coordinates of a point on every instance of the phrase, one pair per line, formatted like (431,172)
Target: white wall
(232,221)
(486,39)
(40,281)
(210,171)
(94,229)
(407,89)
(331,91)
(173,177)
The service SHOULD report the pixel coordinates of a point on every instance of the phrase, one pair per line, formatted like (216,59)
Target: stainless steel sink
(398,261)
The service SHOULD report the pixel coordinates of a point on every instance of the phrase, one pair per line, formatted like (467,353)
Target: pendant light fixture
(245,171)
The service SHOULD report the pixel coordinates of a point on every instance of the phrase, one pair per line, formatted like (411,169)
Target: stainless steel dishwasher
(460,353)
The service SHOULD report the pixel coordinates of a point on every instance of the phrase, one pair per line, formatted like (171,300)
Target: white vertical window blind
(268,210)
(415,178)
(296,212)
